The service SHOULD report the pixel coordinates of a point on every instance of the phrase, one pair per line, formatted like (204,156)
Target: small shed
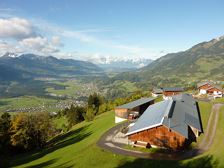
(132,109)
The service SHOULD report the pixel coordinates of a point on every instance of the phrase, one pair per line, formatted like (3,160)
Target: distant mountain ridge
(112,63)
(125,65)
(203,61)
(14,66)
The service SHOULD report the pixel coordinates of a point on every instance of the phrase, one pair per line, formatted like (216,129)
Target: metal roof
(157,90)
(151,117)
(210,83)
(177,114)
(215,86)
(136,103)
(172,89)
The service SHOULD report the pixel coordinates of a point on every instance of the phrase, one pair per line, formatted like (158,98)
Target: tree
(102,108)
(20,130)
(90,114)
(75,115)
(31,130)
(94,102)
(5,122)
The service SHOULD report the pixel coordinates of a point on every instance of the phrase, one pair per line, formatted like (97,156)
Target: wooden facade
(171,93)
(213,90)
(162,136)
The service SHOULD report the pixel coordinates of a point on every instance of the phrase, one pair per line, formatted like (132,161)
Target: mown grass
(219,100)
(78,149)
(205,110)
(217,148)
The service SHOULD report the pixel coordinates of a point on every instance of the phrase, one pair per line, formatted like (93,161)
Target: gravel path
(106,142)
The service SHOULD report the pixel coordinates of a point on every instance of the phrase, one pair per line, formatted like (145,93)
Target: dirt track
(202,147)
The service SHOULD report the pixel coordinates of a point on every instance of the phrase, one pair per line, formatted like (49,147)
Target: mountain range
(203,61)
(119,64)
(14,67)
(124,65)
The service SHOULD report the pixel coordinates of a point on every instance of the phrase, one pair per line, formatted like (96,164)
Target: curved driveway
(106,142)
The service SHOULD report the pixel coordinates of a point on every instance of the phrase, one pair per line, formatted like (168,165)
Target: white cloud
(6,47)
(39,45)
(41,37)
(56,41)
(16,28)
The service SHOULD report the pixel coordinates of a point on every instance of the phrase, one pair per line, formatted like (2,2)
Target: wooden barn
(174,124)
(132,110)
(171,91)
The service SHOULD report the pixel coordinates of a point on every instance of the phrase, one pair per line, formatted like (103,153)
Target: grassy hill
(78,149)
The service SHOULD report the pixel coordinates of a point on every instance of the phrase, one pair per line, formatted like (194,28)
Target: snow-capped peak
(220,38)
(9,54)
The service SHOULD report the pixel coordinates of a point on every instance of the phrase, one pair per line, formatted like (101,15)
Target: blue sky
(90,29)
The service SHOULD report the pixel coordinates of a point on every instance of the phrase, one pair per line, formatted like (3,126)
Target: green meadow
(69,88)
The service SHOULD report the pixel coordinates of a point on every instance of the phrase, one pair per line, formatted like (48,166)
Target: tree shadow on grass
(207,161)
(56,143)
(43,164)
(49,162)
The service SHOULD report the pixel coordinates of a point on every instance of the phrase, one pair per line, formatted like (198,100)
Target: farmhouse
(202,87)
(170,91)
(132,109)
(172,124)
(210,88)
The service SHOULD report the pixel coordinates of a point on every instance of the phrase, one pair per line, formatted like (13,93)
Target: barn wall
(214,90)
(162,137)
(121,112)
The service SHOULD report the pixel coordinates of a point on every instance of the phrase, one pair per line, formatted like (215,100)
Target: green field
(219,100)
(25,102)
(78,149)
(70,87)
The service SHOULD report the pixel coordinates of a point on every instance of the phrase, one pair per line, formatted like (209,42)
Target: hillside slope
(205,59)
(78,149)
